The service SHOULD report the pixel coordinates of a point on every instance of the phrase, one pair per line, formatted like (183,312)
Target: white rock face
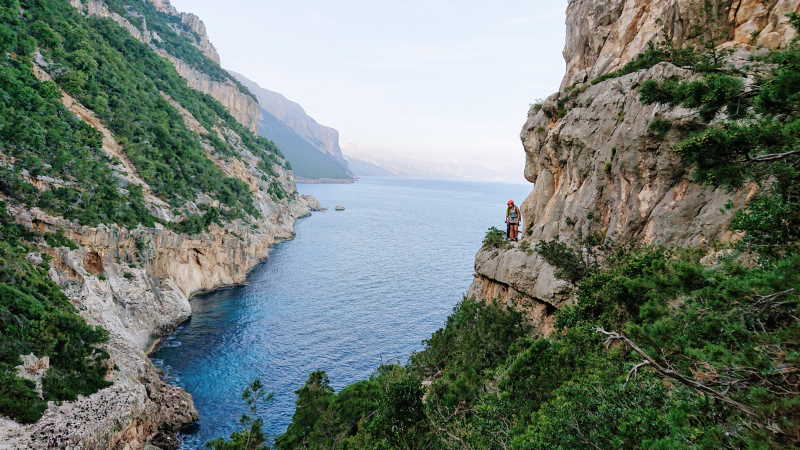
(597,168)
(603,35)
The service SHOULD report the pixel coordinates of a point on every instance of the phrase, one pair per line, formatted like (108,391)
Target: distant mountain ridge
(312,149)
(363,168)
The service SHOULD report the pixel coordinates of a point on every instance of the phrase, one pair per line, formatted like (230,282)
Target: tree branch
(667,372)
(635,370)
(772,157)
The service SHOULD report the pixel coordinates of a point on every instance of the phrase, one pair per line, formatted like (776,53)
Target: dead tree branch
(670,373)
(773,156)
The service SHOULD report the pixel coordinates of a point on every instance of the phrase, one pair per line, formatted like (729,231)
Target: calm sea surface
(354,289)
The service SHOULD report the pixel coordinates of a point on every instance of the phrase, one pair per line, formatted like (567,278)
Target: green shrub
(659,128)
(495,238)
(709,95)
(57,239)
(252,436)
(573,263)
(709,59)
(36,318)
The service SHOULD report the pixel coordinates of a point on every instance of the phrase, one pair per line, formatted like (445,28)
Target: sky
(430,85)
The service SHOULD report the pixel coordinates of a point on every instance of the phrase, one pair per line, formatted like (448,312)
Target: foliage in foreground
(252,436)
(484,382)
(36,317)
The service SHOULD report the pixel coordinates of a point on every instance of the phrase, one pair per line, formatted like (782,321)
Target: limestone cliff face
(595,165)
(603,35)
(243,107)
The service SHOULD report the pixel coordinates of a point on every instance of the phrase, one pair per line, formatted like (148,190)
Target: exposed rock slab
(603,35)
(599,169)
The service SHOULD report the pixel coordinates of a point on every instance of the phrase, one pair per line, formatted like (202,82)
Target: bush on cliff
(495,238)
(731,330)
(36,318)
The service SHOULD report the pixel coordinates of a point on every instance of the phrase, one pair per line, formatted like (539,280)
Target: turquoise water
(355,289)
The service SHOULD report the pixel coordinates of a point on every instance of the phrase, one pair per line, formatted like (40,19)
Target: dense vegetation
(657,351)
(175,37)
(51,159)
(123,81)
(717,368)
(36,318)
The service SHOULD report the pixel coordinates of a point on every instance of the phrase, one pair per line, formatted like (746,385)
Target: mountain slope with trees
(311,148)
(123,190)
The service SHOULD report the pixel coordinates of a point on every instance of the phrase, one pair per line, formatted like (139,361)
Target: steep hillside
(130,179)
(297,134)
(653,301)
(307,161)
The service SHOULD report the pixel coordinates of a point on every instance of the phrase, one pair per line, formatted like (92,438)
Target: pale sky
(422,82)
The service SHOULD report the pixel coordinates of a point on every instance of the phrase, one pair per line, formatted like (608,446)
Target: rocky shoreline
(138,298)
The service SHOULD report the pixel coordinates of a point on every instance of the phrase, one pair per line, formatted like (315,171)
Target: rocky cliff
(604,35)
(324,138)
(216,83)
(135,281)
(597,166)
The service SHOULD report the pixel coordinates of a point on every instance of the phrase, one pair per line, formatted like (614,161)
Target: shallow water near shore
(355,289)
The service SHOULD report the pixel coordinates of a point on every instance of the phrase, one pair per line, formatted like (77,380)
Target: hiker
(513,217)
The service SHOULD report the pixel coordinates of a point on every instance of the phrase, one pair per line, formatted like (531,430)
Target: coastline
(300,180)
(153,346)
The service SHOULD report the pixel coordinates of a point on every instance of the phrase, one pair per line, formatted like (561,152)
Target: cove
(353,290)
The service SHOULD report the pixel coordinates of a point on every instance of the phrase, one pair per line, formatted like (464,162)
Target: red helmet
(510,202)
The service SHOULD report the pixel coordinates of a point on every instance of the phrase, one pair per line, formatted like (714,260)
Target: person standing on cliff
(513,217)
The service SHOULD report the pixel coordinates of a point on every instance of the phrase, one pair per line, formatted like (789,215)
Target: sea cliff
(597,166)
(133,278)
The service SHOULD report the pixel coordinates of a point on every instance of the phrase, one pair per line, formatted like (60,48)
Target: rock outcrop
(603,35)
(241,106)
(595,164)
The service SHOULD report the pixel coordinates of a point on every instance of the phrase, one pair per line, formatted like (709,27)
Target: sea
(354,290)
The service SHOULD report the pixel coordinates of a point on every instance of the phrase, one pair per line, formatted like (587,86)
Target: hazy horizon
(431,86)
